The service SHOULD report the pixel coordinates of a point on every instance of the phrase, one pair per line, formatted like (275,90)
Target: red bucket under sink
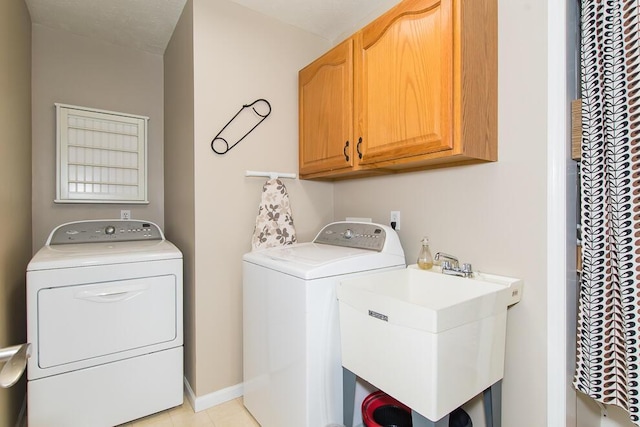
(380,410)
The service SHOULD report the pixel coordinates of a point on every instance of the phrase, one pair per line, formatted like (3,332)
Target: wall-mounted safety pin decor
(241,125)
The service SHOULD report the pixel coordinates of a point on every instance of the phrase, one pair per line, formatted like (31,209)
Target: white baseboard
(200,403)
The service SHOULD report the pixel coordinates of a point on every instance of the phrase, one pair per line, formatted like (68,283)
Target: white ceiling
(148,24)
(326,18)
(143,24)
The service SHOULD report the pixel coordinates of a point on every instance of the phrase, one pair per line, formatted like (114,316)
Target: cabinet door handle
(344,151)
(358,148)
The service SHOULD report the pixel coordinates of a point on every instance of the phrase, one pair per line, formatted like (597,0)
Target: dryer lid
(89,254)
(99,242)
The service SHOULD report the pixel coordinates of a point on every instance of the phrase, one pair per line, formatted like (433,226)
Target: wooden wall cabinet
(325,97)
(415,89)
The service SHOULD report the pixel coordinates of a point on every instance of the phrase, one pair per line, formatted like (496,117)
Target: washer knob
(348,233)
(109,229)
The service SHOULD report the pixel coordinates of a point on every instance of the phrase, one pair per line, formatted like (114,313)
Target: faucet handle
(466,268)
(446,265)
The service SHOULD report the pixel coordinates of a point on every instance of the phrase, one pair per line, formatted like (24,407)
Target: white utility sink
(430,340)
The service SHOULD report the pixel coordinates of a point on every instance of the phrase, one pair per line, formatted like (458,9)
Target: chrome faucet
(442,257)
(450,265)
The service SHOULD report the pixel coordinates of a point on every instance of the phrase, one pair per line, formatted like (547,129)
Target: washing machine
(291,353)
(104,319)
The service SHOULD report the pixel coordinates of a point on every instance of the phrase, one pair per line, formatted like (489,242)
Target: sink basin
(430,340)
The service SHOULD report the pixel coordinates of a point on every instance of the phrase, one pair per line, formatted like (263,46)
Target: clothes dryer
(292,366)
(104,319)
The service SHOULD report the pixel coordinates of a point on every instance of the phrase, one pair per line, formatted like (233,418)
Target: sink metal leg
(492,399)
(418,420)
(348,396)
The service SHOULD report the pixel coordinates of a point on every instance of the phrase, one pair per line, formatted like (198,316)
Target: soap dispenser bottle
(425,260)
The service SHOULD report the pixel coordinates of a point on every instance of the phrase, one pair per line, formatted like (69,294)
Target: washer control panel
(353,235)
(105,231)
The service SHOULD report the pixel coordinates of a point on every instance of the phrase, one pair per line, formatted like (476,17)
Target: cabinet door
(404,82)
(325,91)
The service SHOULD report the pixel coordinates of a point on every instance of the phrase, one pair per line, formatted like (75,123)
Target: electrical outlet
(395,217)
(125,214)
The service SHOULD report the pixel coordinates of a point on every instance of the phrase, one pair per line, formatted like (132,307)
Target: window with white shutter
(101,156)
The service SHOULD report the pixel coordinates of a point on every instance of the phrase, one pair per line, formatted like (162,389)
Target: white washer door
(85,321)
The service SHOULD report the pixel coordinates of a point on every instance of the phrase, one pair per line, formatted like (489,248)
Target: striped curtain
(608,336)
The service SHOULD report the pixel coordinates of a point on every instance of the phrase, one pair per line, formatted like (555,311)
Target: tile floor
(228,414)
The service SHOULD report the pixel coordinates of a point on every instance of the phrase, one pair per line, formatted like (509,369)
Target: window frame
(115,145)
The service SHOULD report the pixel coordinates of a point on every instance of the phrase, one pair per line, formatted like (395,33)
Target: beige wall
(179,209)
(15,187)
(491,215)
(239,56)
(81,71)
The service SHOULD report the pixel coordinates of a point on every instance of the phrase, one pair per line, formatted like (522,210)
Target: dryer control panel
(114,230)
(353,235)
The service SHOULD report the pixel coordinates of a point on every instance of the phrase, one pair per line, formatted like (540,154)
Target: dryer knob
(109,229)
(348,233)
